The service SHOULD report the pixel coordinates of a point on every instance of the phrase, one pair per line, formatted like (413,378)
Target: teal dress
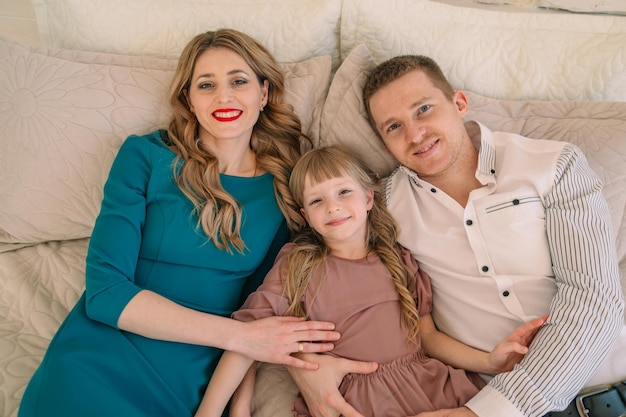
(146,238)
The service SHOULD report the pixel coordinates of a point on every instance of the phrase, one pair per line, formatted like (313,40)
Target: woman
(191,220)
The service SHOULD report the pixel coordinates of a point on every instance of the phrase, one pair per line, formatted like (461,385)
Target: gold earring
(261,107)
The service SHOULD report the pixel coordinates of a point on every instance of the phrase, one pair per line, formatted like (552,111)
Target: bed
(102,69)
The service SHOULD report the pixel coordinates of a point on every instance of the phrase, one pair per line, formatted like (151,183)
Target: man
(509,229)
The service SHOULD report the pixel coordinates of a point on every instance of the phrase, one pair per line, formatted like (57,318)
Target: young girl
(347,268)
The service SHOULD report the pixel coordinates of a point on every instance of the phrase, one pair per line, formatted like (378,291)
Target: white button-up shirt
(534,239)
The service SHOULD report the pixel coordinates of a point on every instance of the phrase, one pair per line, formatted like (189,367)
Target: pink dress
(360,298)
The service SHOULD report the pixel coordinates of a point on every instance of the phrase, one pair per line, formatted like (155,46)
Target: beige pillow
(64,115)
(344,119)
(596,127)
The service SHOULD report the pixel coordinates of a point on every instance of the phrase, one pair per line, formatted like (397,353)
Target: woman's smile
(227,115)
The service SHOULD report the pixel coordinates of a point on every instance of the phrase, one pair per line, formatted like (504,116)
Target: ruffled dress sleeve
(268,300)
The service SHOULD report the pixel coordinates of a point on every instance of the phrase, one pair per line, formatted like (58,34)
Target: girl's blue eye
(424,108)
(393,127)
(344,192)
(204,86)
(241,82)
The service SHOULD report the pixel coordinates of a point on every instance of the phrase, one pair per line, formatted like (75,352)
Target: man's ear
(461,102)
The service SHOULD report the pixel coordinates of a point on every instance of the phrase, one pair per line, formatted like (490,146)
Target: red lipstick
(227,115)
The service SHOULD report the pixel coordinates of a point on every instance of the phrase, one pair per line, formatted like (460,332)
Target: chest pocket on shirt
(514,203)
(513,226)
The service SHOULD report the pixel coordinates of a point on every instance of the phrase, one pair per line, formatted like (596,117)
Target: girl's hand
(274,339)
(512,348)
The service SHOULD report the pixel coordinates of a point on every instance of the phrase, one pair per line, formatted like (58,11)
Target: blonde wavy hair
(307,258)
(277,140)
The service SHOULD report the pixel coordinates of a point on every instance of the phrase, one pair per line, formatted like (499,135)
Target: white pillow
(514,54)
(596,127)
(64,115)
(292,30)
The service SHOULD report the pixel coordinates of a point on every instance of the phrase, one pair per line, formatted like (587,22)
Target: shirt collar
(483,140)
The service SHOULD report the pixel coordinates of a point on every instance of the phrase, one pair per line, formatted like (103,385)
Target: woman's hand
(320,387)
(513,347)
(274,339)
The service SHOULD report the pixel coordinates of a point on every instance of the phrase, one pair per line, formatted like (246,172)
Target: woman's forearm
(152,315)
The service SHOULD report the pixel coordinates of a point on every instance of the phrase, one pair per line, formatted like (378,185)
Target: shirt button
(432,190)
(493,171)
(515,202)
(505,293)
(485,268)
(469,222)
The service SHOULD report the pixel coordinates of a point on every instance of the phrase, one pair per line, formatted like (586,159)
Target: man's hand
(320,387)
(452,412)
